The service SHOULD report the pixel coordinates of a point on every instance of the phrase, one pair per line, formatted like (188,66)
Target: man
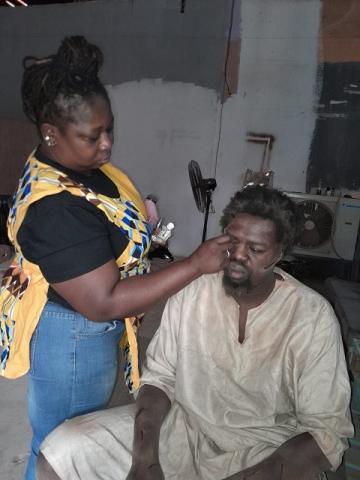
(245,378)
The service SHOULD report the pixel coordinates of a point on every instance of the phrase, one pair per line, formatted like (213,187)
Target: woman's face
(86,142)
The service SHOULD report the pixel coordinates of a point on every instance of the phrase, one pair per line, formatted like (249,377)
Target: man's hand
(142,472)
(299,458)
(269,469)
(152,406)
(274,468)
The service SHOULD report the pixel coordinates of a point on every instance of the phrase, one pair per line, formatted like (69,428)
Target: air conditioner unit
(329,225)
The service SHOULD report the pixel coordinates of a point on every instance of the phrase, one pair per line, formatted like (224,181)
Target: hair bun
(52,86)
(79,57)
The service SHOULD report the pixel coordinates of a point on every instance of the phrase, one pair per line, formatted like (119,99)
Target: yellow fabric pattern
(23,292)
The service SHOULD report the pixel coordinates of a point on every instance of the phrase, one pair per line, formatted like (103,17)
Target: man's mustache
(238,263)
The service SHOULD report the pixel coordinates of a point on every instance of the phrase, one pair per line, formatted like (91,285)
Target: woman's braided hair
(53,87)
(267,203)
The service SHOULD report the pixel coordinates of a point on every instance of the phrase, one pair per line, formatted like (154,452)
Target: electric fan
(316,222)
(202,189)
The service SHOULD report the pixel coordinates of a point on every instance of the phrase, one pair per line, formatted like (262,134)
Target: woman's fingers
(213,255)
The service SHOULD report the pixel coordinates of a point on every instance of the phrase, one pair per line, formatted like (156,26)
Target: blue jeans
(73,369)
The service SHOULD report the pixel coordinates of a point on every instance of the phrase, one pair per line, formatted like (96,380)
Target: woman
(81,238)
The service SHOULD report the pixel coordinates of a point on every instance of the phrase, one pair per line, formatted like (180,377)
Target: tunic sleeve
(161,355)
(324,390)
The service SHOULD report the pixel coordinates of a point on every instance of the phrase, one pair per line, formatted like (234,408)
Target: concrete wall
(165,70)
(139,38)
(277,90)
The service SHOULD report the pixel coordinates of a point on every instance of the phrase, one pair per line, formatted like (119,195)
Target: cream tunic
(233,404)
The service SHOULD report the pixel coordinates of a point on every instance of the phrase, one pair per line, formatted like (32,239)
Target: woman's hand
(212,255)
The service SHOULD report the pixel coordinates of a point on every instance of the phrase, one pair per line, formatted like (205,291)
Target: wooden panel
(17,140)
(340,27)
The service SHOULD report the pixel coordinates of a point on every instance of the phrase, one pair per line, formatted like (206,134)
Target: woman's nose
(106,141)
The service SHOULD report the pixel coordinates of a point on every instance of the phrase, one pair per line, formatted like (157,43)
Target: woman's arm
(100,296)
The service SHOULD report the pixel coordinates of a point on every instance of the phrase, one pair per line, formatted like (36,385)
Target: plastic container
(164,234)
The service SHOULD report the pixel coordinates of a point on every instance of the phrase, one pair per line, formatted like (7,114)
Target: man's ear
(49,134)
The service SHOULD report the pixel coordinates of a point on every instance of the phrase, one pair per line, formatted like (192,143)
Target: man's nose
(240,253)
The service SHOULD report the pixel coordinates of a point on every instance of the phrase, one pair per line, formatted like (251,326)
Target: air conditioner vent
(328,225)
(316,224)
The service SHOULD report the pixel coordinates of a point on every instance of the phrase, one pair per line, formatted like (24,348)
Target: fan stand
(202,189)
(207,208)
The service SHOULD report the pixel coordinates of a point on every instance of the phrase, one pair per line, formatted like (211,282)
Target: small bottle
(165,233)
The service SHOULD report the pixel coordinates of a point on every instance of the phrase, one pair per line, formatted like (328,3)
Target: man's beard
(234,286)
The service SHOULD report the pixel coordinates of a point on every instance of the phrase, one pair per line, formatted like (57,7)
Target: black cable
(225,81)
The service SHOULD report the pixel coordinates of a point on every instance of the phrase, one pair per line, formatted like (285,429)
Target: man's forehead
(253,225)
(250,219)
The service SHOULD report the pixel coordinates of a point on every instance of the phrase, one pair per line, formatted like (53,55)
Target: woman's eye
(92,139)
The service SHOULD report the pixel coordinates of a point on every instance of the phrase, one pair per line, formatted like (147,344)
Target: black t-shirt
(66,235)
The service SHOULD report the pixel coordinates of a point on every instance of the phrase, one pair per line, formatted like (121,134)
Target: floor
(15,432)
(14,428)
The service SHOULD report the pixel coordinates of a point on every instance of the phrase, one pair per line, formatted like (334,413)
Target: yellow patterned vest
(23,291)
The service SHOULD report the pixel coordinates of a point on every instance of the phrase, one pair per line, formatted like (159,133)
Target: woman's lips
(104,159)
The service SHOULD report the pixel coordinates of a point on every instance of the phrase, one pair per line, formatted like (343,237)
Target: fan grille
(196,181)
(316,222)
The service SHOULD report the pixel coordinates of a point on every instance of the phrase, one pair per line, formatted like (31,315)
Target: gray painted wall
(140,39)
(164,71)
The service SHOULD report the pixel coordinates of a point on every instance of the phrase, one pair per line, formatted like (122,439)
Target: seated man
(245,377)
